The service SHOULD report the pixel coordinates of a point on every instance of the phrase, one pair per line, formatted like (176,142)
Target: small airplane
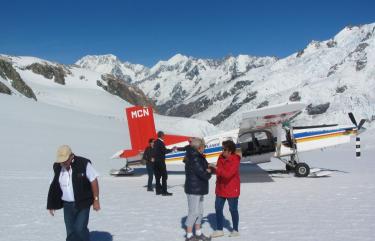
(263,134)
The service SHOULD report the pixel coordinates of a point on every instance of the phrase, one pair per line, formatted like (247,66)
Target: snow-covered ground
(273,205)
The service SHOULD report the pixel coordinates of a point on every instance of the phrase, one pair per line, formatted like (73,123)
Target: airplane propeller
(358,139)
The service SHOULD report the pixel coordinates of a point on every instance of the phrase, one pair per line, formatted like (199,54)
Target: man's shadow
(211,219)
(100,236)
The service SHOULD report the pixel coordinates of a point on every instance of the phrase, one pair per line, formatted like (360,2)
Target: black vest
(81,186)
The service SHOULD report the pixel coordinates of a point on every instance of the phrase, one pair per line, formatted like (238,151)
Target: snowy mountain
(67,86)
(79,89)
(335,76)
(110,64)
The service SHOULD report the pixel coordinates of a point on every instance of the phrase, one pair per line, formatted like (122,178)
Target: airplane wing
(270,116)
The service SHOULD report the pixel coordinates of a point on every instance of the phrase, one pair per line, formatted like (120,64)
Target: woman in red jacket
(227,187)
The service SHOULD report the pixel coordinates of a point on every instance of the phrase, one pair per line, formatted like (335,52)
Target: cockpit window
(256,142)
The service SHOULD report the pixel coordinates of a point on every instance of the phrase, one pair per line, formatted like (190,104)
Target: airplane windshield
(256,142)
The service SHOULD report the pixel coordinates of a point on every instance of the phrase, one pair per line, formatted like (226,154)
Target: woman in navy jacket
(196,186)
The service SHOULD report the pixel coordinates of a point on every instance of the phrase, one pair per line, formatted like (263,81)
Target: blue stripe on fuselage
(207,151)
(315,133)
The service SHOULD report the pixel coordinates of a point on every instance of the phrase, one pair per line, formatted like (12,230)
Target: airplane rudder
(141,125)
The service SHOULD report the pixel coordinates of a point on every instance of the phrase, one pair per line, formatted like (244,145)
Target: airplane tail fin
(141,128)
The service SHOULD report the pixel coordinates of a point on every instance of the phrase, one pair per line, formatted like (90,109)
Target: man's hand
(212,168)
(52,212)
(212,165)
(96,205)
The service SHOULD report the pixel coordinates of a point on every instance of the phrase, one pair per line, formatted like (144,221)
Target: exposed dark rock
(222,96)
(7,71)
(49,71)
(332,70)
(124,90)
(178,93)
(295,96)
(341,89)
(2,74)
(361,63)
(316,44)
(164,108)
(117,72)
(299,54)
(239,85)
(192,73)
(157,86)
(4,89)
(332,43)
(187,66)
(198,91)
(318,109)
(157,94)
(361,47)
(368,36)
(233,107)
(187,110)
(263,104)
(234,73)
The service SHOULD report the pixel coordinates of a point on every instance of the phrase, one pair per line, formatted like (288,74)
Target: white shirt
(66,185)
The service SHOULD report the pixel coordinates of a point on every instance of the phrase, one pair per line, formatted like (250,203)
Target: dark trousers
(76,221)
(150,172)
(161,173)
(233,208)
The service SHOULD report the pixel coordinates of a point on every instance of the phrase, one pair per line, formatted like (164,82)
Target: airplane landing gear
(291,164)
(302,170)
(289,168)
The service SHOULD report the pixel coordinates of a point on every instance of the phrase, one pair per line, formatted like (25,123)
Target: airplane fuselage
(260,145)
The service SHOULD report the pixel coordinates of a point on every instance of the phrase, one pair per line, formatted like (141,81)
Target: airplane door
(256,146)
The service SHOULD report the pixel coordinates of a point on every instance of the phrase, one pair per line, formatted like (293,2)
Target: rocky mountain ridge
(335,76)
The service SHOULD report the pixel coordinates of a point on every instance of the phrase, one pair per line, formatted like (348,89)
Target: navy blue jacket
(197,177)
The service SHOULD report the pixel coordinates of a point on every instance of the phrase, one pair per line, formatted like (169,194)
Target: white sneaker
(217,233)
(234,234)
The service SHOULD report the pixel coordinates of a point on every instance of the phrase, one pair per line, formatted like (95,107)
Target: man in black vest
(160,168)
(74,188)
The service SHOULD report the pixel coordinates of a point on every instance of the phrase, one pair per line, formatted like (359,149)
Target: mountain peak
(100,59)
(177,59)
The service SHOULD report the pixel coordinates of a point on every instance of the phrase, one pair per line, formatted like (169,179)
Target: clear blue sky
(144,32)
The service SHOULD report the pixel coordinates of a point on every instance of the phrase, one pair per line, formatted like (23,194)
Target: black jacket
(197,177)
(185,149)
(81,186)
(159,151)
(147,155)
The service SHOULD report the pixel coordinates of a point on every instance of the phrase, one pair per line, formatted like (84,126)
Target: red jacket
(228,176)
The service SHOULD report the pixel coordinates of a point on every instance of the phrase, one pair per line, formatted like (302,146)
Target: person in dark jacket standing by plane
(74,188)
(160,168)
(147,157)
(197,175)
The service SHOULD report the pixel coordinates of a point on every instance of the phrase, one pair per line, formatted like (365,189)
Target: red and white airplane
(262,135)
